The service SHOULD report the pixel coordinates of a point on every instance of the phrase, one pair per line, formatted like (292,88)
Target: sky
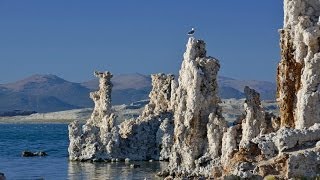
(73,38)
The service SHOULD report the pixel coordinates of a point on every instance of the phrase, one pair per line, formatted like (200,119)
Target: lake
(53,139)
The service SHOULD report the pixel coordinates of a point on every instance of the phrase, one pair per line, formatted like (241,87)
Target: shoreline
(231,109)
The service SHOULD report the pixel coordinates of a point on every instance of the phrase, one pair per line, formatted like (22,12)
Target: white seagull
(190,33)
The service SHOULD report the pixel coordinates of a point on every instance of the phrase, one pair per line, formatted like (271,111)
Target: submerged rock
(32,154)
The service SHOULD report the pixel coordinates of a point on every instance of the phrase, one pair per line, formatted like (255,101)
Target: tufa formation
(298,77)
(148,137)
(183,123)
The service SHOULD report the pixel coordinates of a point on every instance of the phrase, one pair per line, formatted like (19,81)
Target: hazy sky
(72,38)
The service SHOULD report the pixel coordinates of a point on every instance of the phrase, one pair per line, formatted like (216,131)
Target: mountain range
(49,93)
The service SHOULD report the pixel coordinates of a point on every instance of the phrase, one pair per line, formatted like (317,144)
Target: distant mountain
(127,88)
(48,93)
(123,81)
(137,86)
(266,89)
(226,92)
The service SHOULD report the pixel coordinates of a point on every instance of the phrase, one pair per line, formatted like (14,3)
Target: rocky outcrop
(304,164)
(290,153)
(199,125)
(32,154)
(230,144)
(149,136)
(286,139)
(254,123)
(291,150)
(298,78)
(98,139)
(160,95)
(183,122)
(102,97)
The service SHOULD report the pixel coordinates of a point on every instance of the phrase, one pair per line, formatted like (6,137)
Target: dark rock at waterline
(134,165)
(32,154)
(41,153)
(2,177)
(27,154)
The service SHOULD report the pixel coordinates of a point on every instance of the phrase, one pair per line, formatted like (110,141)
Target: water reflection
(120,170)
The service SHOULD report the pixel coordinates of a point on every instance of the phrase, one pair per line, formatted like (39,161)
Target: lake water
(53,139)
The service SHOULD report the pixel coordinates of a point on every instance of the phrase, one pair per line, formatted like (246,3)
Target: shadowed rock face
(298,75)
(288,78)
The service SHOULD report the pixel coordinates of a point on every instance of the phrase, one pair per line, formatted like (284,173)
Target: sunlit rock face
(199,125)
(183,122)
(102,97)
(298,74)
(254,123)
(98,138)
(150,136)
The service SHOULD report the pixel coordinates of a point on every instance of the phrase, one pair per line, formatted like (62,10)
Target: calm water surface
(53,139)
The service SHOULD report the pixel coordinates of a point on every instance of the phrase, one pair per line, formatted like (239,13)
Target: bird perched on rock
(190,33)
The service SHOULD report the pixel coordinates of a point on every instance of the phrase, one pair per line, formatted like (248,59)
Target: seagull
(190,33)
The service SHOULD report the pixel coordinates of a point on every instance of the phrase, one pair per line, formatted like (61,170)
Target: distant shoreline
(40,121)
(231,108)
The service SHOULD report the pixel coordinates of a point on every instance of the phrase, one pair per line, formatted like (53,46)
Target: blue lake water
(53,139)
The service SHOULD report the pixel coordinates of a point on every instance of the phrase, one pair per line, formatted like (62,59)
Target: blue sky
(73,38)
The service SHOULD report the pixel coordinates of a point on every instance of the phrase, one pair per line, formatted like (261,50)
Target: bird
(190,33)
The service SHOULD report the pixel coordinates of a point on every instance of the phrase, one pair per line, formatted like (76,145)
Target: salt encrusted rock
(150,136)
(198,121)
(298,75)
(102,97)
(138,138)
(285,139)
(254,122)
(164,139)
(304,164)
(147,137)
(258,145)
(230,144)
(160,95)
(98,138)
(215,127)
